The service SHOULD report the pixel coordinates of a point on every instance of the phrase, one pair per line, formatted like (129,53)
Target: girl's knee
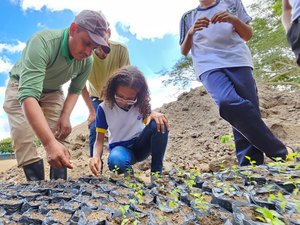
(153,126)
(119,160)
(116,165)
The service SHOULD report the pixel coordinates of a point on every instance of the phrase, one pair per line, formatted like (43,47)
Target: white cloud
(161,94)
(5,64)
(145,19)
(4,127)
(12,48)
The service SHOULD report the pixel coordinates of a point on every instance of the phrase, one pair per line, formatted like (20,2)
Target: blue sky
(148,28)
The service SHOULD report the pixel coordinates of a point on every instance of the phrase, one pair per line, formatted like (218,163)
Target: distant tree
(181,74)
(6,146)
(274,62)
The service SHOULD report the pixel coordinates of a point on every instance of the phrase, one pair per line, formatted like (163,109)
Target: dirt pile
(195,133)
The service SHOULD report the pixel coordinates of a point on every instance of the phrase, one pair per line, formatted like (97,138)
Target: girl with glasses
(134,132)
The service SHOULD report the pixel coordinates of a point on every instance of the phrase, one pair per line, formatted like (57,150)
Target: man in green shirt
(103,67)
(34,99)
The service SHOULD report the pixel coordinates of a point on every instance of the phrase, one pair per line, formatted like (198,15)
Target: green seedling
(227,189)
(252,162)
(281,199)
(228,139)
(200,202)
(174,203)
(278,162)
(293,155)
(116,170)
(124,209)
(295,182)
(269,216)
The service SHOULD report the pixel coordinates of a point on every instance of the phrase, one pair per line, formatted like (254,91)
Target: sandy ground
(7,164)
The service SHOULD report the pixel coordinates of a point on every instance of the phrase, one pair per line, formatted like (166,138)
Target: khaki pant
(20,130)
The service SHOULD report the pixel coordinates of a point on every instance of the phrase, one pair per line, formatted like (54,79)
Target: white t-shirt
(217,46)
(123,126)
(295,9)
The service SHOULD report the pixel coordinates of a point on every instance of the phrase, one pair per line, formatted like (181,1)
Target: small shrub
(6,146)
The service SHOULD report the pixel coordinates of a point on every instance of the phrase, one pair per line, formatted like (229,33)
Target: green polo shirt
(46,65)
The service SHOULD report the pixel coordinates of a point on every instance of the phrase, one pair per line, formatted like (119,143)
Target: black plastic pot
(294,217)
(57,217)
(32,217)
(210,217)
(11,205)
(261,195)
(243,214)
(226,200)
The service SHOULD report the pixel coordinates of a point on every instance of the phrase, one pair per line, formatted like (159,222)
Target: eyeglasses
(127,101)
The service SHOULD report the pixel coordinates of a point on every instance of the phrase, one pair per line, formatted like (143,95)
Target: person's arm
(57,154)
(89,104)
(186,45)
(243,29)
(64,127)
(95,161)
(286,14)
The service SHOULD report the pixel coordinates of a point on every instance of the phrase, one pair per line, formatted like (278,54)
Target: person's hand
(160,120)
(200,24)
(63,128)
(58,155)
(95,165)
(91,119)
(223,16)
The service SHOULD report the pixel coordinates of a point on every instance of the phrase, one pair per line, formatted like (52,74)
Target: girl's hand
(200,23)
(95,165)
(224,16)
(160,120)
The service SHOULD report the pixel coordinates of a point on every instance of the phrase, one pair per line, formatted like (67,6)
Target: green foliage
(116,171)
(252,162)
(228,139)
(181,74)
(124,209)
(6,146)
(174,203)
(200,202)
(274,62)
(269,216)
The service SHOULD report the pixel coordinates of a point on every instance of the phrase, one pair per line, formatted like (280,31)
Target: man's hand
(91,118)
(95,166)
(63,128)
(58,155)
